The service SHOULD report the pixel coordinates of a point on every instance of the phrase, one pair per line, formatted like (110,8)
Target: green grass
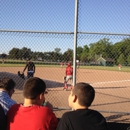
(114,68)
(22,63)
(12,65)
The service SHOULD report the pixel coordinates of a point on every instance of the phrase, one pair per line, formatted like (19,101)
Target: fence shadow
(20,82)
(118,126)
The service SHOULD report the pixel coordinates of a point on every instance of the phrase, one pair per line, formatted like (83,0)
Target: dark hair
(7,83)
(85,93)
(33,87)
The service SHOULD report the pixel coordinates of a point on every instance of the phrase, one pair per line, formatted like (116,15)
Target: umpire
(30,66)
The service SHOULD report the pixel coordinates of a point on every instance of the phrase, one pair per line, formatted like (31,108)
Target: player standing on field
(69,76)
(30,66)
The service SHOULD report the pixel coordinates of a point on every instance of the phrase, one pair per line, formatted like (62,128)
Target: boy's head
(8,85)
(34,87)
(82,94)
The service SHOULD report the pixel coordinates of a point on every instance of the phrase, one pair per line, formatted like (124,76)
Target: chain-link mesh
(98,59)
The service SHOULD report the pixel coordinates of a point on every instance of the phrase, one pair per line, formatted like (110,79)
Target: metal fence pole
(75,41)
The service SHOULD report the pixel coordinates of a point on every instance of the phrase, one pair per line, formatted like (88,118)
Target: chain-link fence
(102,59)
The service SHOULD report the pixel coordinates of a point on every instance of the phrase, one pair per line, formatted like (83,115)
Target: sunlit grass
(22,63)
(112,68)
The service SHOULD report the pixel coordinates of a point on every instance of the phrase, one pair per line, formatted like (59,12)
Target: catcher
(21,75)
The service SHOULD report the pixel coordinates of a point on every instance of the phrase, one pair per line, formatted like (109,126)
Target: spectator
(30,66)
(31,115)
(2,119)
(69,76)
(120,66)
(3,61)
(82,118)
(7,86)
(61,64)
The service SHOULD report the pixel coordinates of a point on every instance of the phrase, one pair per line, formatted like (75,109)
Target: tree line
(119,52)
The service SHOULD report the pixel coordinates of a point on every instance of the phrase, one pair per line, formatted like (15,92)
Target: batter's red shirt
(69,70)
(31,118)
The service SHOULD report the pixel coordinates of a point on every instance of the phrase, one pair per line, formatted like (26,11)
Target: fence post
(75,41)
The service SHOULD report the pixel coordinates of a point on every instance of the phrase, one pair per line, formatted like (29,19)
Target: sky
(108,16)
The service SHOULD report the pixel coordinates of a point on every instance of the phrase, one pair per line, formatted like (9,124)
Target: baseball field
(112,90)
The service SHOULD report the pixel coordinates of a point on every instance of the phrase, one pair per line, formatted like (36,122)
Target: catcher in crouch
(69,76)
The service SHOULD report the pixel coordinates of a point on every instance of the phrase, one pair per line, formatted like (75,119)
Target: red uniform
(69,70)
(69,76)
(31,118)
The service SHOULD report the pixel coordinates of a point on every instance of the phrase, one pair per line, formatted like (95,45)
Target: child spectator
(7,86)
(3,61)
(61,64)
(31,115)
(120,66)
(82,118)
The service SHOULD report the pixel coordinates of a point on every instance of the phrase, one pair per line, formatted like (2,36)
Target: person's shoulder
(95,111)
(44,109)
(68,114)
(97,114)
(15,106)
(10,102)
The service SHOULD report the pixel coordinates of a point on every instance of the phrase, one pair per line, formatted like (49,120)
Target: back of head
(85,93)
(7,84)
(33,87)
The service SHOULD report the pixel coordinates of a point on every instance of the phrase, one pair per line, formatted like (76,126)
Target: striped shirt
(5,101)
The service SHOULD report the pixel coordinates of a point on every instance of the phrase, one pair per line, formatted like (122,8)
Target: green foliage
(128,60)
(101,48)
(79,52)
(119,52)
(85,54)
(68,55)
(121,59)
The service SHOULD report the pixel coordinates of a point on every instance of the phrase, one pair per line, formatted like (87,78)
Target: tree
(101,48)
(122,47)
(121,59)
(14,53)
(68,55)
(26,53)
(79,52)
(57,50)
(84,54)
(57,55)
(128,60)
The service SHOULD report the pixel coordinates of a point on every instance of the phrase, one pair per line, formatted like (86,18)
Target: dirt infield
(112,90)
